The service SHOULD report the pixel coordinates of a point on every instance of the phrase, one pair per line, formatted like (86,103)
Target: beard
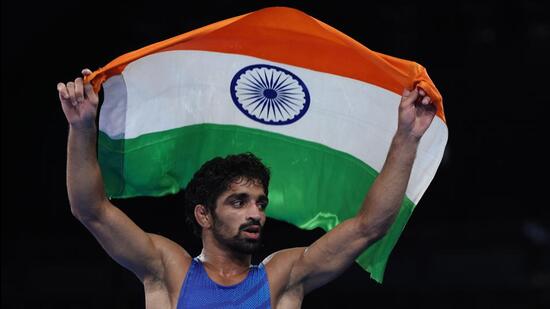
(237,243)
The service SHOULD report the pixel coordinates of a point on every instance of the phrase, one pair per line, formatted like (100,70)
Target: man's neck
(222,261)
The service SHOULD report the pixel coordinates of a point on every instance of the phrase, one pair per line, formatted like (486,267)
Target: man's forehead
(245,185)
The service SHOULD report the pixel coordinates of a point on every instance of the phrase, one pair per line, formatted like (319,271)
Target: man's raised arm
(331,254)
(123,240)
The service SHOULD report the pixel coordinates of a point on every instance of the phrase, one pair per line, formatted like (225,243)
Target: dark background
(479,238)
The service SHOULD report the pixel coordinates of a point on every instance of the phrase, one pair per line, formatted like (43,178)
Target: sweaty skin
(161,264)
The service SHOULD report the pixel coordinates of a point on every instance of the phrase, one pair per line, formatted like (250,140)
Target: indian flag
(316,106)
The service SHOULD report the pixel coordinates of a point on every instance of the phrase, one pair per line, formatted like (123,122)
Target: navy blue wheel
(269,94)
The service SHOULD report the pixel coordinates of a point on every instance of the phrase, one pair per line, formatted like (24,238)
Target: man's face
(240,216)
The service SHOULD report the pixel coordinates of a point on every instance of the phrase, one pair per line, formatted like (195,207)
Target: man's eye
(237,203)
(262,205)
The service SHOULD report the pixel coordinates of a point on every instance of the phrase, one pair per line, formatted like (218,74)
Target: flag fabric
(316,106)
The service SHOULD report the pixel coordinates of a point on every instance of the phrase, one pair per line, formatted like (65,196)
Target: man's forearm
(384,199)
(84,182)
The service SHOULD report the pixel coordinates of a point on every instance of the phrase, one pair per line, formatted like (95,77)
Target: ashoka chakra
(270,94)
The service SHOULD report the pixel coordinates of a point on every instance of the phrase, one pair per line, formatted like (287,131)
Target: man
(226,202)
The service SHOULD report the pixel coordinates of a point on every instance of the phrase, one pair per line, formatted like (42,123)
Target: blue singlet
(199,291)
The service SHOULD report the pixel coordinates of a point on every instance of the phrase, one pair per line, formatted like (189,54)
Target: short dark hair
(215,176)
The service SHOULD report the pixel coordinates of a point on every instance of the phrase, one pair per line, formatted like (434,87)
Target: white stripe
(179,88)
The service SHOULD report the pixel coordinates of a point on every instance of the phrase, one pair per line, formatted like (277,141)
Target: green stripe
(311,186)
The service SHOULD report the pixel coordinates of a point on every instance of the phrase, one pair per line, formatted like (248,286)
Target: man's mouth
(252,231)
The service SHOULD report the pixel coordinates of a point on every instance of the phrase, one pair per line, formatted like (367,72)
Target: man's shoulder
(279,264)
(285,256)
(175,259)
(175,264)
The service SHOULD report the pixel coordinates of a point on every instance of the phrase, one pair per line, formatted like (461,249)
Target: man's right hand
(79,102)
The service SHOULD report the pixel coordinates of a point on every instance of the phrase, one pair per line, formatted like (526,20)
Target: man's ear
(203,216)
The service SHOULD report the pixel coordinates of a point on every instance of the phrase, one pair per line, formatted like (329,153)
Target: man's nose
(255,211)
